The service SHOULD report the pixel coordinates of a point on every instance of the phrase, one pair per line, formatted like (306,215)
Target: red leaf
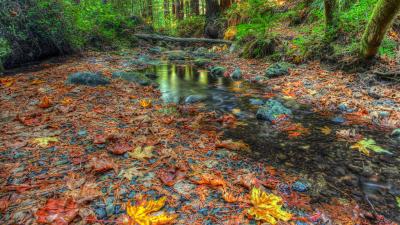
(58,212)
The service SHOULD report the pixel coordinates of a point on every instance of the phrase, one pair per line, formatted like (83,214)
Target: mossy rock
(278,69)
(133,77)
(87,78)
(259,48)
(217,71)
(201,62)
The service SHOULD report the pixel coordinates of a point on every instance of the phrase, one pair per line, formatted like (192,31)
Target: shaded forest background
(295,31)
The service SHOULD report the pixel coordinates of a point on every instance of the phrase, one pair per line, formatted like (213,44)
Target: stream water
(329,165)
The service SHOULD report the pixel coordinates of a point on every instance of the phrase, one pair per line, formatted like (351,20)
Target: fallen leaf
(45,102)
(325,130)
(7,81)
(44,141)
(267,207)
(66,101)
(132,172)
(145,103)
(170,176)
(368,144)
(100,164)
(57,212)
(142,153)
(87,192)
(147,212)
(234,145)
(119,148)
(211,180)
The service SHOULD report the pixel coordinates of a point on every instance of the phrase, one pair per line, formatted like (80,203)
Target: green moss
(388,48)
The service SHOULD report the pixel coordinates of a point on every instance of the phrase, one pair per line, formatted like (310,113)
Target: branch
(176,39)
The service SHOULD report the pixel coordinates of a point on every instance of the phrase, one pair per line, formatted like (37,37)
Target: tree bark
(213,12)
(331,15)
(194,7)
(382,17)
(225,4)
(179,9)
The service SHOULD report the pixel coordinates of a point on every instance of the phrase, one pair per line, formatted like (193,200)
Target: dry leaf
(267,207)
(44,141)
(142,153)
(148,213)
(57,212)
(45,102)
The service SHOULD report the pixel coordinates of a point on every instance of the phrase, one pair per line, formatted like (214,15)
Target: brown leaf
(102,163)
(57,212)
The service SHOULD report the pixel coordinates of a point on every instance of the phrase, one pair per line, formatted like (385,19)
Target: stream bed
(329,165)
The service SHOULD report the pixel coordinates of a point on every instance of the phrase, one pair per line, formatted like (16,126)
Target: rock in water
(272,110)
(277,69)
(195,98)
(236,74)
(396,134)
(201,62)
(133,77)
(217,71)
(176,55)
(87,78)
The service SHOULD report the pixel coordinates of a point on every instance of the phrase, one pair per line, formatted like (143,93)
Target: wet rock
(155,50)
(272,110)
(217,71)
(282,156)
(236,74)
(338,120)
(343,107)
(201,62)
(151,75)
(143,60)
(195,98)
(176,55)
(256,101)
(133,77)
(300,186)
(87,78)
(396,134)
(277,69)
(339,171)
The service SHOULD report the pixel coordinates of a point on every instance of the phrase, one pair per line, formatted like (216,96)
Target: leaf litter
(118,160)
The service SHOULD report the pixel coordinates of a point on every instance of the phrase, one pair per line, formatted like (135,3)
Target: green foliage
(354,20)
(191,26)
(259,47)
(388,48)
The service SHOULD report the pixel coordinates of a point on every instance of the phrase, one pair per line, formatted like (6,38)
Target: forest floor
(77,154)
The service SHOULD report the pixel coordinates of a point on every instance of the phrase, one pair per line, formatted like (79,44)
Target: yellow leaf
(148,213)
(66,101)
(44,141)
(325,130)
(131,172)
(267,207)
(142,153)
(145,103)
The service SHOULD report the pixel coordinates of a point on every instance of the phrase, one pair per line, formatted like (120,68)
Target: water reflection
(179,81)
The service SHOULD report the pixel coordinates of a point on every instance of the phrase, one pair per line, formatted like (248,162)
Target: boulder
(201,62)
(176,55)
(256,101)
(217,71)
(272,110)
(195,98)
(396,134)
(236,74)
(87,78)
(277,69)
(133,77)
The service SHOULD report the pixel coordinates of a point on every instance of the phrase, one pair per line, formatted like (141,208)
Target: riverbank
(92,148)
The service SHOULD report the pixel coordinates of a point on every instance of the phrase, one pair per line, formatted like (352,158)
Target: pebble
(101,213)
(300,186)
(338,120)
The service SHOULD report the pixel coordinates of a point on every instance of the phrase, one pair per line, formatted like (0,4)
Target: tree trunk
(225,4)
(213,11)
(331,16)
(179,9)
(194,7)
(382,17)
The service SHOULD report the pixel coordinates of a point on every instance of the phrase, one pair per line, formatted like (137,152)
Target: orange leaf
(45,102)
(58,212)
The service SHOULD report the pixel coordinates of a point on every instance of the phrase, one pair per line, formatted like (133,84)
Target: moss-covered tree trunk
(331,16)
(382,17)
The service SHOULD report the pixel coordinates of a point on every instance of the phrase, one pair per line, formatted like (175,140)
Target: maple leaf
(131,172)
(44,141)
(66,101)
(119,148)
(7,81)
(101,164)
(87,192)
(267,207)
(234,145)
(145,103)
(58,212)
(325,130)
(45,102)
(142,153)
(368,144)
(148,213)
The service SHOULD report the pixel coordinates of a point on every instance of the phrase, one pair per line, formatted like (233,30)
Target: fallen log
(186,40)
